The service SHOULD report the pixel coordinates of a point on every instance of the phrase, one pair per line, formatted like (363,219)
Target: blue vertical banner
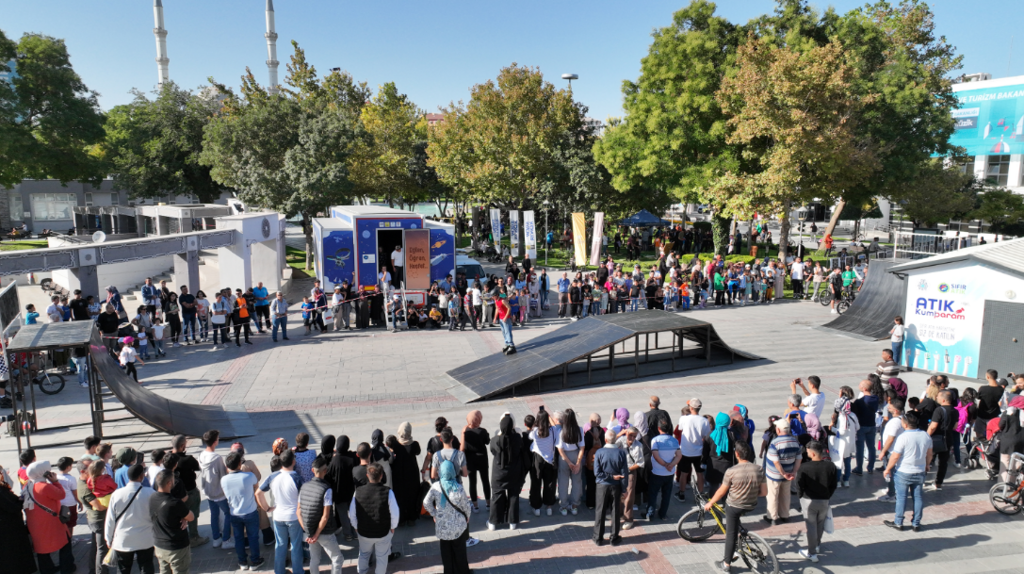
(442,254)
(513,231)
(496,228)
(337,258)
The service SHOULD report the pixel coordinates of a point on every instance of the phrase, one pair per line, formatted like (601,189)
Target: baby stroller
(978,457)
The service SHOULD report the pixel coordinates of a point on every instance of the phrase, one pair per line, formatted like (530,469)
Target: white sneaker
(563,512)
(956,464)
(575,511)
(491,526)
(886,498)
(536,512)
(218,543)
(811,557)
(513,526)
(228,545)
(549,511)
(846,484)
(471,542)
(834,312)
(476,509)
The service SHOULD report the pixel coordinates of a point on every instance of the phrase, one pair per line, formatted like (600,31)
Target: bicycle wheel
(757,554)
(842,306)
(825,298)
(697,525)
(51,383)
(999,496)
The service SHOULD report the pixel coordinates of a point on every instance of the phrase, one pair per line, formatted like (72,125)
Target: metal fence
(918,245)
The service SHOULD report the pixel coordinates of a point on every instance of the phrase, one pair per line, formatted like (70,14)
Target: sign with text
(530,233)
(990,121)
(496,228)
(595,243)
(513,231)
(417,259)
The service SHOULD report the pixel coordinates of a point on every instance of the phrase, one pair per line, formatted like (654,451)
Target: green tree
(937,195)
(1000,207)
(288,152)
(673,137)
(48,117)
(153,146)
(381,168)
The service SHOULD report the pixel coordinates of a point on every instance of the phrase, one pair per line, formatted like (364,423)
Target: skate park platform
(595,350)
(877,304)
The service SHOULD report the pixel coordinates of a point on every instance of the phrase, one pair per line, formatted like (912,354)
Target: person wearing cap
(783,462)
(126,457)
(128,356)
(129,525)
(693,431)
(505,322)
(43,494)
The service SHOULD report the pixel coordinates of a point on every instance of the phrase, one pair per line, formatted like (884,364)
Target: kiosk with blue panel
(358,240)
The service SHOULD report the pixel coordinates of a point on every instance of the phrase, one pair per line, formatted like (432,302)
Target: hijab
(813,426)
(622,415)
(327,447)
(341,448)
(720,436)
(593,423)
(280,445)
(509,444)
(405,433)
(742,410)
(899,387)
(448,483)
(842,405)
(377,449)
(36,473)
(640,422)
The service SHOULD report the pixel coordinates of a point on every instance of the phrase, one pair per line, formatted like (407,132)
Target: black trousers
(238,330)
(129,369)
(262,317)
(544,485)
(575,309)
(732,530)
(504,507)
(589,487)
(940,473)
(224,330)
(453,554)
(479,469)
(66,565)
(607,502)
(125,560)
(151,309)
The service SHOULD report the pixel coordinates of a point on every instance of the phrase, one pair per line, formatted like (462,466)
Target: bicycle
(49,383)
(698,525)
(1007,497)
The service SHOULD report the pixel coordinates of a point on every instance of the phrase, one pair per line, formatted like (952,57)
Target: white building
(990,125)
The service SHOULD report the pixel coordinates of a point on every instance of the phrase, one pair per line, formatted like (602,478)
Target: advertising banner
(442,254)
(579,237)
(513,231)
(417,259)
(530,233)
(496,227)
(990,121)
(595,243)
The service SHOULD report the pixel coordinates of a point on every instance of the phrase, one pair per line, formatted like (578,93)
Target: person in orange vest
(240,317)
(828,244)
(684,294)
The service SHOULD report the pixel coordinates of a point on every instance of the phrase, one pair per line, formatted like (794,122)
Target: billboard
(513,231)
(530,232)
(417,259)
(597,242)
(579,238)
(990,121)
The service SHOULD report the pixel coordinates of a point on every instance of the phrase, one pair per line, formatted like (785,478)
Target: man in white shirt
(893,429)
(693,429)
(284,485)
(910,459)
(814,402)
(796,277)
(54,312)
(398,263)
(128,528)
(240,490)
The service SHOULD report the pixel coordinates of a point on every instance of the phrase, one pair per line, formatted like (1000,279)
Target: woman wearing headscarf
(723,443)
(843,434)
(381,455)
(327,447)
(448,503)
(507,475)
(814,433)
(339,476)
(620,422)
(406,473)
(42,495)
(593,439)
(749,424)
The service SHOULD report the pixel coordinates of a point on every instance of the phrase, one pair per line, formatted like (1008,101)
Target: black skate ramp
(591,350)
(169,416)
(878,303)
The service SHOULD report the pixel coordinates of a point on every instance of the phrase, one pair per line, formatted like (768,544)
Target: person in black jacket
(815,481)
(315,511)
(339,476)
(506,475)
(575,300)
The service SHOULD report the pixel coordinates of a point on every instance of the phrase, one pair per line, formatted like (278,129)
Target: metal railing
(918,245)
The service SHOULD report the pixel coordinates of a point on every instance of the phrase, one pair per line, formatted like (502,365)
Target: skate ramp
(878,302)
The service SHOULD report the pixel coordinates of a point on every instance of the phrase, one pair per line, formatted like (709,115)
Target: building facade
(990,125)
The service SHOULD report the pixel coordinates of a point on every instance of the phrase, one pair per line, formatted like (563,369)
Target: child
(453,311)
(143,344)
(128,358)
(307,315)
(31,317)
(704,295)
(766,440)
(70,486)
(684,294)
(513,303)
(100,484)
(158,338)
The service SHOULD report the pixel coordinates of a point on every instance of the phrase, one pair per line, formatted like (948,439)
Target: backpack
(961,423)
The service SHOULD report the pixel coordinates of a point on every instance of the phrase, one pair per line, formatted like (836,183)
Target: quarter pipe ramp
(878,302)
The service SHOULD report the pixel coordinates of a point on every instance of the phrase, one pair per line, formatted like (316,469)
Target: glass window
(115,198)
(53,206)
(17,209)
(88,198)
(998,172)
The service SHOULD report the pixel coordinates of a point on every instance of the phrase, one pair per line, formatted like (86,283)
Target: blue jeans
(279,322)
(188,327)
(506,331)
(216,508)
(897,352)
(634,304)
(659,485)
(144,351)
(204,327)
(585,309)
(686,303)
(158,346)
(250,526)
(82,363)
(846,468)
(912,485)
(865,436)
(283,533)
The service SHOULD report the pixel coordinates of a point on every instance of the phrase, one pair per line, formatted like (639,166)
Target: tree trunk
(835,217)
(307,230)
(475,214)
(787,206)
(720,233)
(751,242)
(856,230)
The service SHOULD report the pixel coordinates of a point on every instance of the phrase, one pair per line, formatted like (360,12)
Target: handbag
(111,556)
(65,511)
(830,527)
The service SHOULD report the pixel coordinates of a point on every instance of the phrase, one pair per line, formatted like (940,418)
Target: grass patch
(23,245)
(295,258)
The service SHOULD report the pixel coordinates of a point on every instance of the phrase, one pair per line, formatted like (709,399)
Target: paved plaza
(351,383)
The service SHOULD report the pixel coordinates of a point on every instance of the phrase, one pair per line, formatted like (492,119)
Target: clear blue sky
(435,50)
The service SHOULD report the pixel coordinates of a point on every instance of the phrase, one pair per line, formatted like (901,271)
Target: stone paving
(353,382)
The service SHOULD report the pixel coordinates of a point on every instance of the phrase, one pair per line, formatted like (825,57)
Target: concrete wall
(122,275)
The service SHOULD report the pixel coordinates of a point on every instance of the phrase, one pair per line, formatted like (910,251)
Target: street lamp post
(547,246)
(570,77)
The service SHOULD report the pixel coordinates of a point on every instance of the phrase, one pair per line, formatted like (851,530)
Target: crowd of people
(312,502)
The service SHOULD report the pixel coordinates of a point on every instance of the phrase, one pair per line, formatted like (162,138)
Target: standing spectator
(169,516)
(864,408)
(15,545)
(447,502)
(315,510)
(816,481)
(279,311)
(570,445)
(261,306)
(630,443)
(213,469)
(783,462)
(187,471)
(942,429)
(150,297)
(240,318)
(893,429)
(398,264)
(173,314)
(284,485)
(593,439)
(406,474)
(506,475)
(474,445)
(611,472)
(741,486)
(70,486)
(374,515)
(665,455)
(654,417)
(219,319)
(544,479)
(304,457)
(240,491)
(896,336)
(505,322)
(189,314)
(79,307)
(129,528)
(95,514)
(988,402)
(42,494)
(910,460)
(563,295)
(814,400)
(108,323)
(339,475)
(693,431)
